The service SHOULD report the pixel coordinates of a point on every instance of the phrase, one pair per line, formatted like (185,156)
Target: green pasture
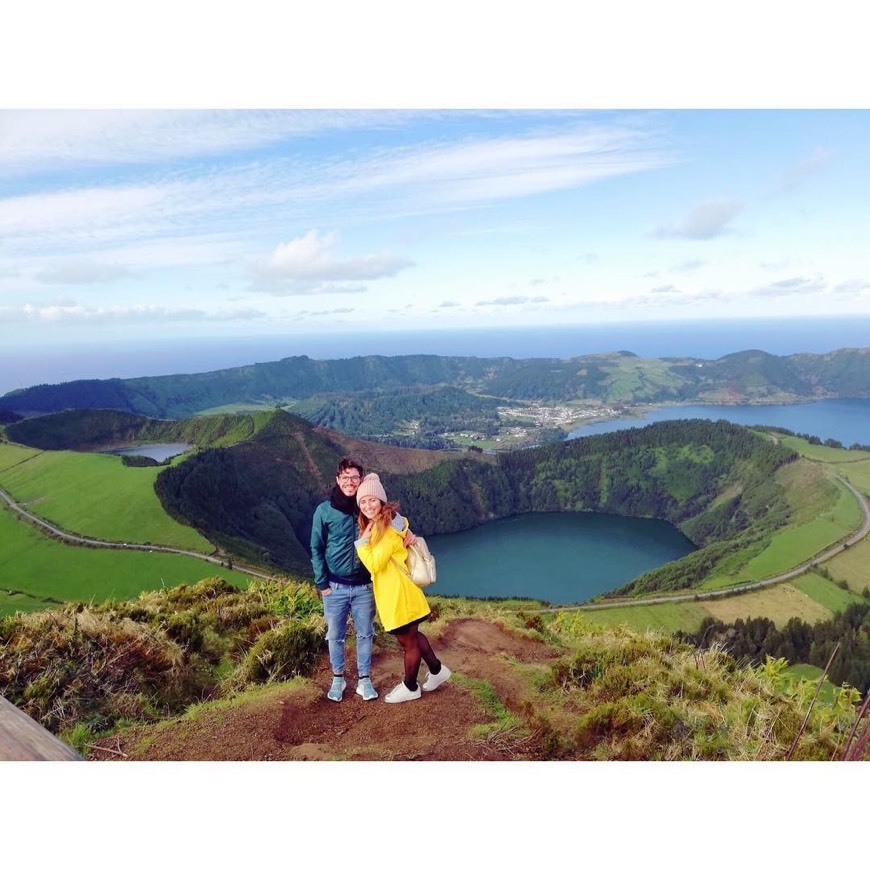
(13,454)
(668,618)
(37,571)
(857,473)
(825,592)
(852,566)
(94,495)
(818,523)
(796,544)
(236,408)
(828,455)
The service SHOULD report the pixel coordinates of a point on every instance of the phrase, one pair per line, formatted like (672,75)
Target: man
(343,581)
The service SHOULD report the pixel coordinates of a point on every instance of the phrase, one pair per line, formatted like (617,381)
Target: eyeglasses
(349,478)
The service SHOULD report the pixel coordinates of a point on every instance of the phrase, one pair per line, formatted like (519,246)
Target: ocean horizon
(187,355)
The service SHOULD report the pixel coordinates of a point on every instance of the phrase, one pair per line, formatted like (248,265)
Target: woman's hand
(410,537)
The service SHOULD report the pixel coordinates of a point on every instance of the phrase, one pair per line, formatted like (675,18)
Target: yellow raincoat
(398,599)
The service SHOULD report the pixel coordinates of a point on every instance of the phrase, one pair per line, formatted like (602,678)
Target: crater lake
(560,558)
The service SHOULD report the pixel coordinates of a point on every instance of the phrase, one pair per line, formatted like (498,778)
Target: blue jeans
(358,602)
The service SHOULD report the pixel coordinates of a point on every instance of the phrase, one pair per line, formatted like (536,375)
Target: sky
(124,216)
(119,223)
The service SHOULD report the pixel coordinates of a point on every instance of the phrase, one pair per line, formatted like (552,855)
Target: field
(37,572)
(852,567)
(823,512)
(660,617)
(94,495)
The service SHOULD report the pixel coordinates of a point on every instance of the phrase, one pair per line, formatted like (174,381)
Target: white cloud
(308,264)
(791,287)
(706,221)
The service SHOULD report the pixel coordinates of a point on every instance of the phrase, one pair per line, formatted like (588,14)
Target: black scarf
(344,503)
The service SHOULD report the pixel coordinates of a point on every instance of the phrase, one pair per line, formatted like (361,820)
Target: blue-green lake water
(562,558)
(846,420)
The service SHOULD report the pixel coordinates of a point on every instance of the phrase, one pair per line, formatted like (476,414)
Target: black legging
(416,647)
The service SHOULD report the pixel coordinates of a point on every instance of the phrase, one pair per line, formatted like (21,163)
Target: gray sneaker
(336,690)
(366,690)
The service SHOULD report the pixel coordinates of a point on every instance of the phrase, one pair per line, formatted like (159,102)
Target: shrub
(287,651)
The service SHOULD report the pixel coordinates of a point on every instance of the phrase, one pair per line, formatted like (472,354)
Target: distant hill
(749,376)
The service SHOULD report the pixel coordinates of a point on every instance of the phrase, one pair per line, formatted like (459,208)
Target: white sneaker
(433,681)
(402,693)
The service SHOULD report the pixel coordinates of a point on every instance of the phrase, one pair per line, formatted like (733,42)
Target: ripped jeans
(358,602)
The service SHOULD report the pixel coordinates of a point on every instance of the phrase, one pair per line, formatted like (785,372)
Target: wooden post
(24,739)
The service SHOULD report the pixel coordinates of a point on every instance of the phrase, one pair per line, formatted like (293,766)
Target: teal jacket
(333,554)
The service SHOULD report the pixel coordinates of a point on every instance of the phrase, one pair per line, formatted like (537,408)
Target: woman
(401,604)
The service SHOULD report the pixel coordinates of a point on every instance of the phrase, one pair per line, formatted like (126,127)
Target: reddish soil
(295,721)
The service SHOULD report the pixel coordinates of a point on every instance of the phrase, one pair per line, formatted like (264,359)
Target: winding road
(80,540)
(832,551)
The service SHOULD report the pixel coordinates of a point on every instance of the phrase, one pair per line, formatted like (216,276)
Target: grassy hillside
(95,495)
(582,691)
(38,572)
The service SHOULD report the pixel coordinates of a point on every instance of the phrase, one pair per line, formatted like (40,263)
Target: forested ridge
(611,378)
(92,430)
(256,498)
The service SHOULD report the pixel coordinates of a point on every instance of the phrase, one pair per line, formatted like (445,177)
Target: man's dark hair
(349,462)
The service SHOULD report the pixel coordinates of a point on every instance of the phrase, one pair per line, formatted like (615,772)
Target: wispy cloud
(854,286)
(327,312)
(514,300)
(82,272)
(76,313)
(493,169)
(239,203)
(707,220)
(791,177)
(37,141)
(791,287)
(689,266)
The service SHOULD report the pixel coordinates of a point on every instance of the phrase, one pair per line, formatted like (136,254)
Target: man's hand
(325,592)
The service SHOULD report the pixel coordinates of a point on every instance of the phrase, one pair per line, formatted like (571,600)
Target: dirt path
(295,721)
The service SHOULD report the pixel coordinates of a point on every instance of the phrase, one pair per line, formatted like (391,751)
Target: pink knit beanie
(371,485)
